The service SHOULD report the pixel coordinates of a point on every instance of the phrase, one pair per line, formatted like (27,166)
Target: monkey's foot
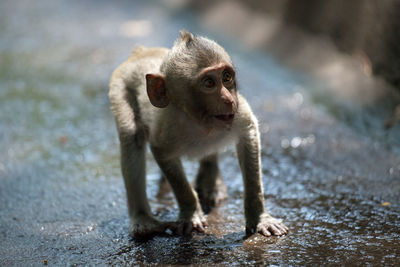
(211,198)
(268,226)
(196,223)
(147,226)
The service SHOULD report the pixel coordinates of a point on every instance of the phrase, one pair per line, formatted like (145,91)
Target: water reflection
(297,142)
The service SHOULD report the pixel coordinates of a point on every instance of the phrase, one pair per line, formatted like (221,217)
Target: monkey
(184,102)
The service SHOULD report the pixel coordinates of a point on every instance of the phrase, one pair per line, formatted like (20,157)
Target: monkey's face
(213,99)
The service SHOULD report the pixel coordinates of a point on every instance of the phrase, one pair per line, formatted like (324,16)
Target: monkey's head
(198,78)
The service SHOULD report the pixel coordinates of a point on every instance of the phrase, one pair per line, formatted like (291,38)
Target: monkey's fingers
(268,226)
(264,231)
(186,228)
(200,227)
(283,228)
(275,230)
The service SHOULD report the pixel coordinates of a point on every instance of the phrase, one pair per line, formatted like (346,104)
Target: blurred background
(368,30)
(321,76)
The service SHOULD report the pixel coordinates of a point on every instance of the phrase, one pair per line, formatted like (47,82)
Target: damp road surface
(330,169)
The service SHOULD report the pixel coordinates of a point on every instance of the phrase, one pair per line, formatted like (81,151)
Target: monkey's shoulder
(244,116)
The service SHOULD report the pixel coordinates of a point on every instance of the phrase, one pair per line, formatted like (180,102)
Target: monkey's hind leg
(209,185)
(133,164)
(164,187)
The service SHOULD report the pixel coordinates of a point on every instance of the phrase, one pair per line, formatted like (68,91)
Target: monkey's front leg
(191,216)
(257,219)
(133,164)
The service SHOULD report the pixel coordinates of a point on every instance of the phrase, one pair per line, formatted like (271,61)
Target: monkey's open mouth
(225,117)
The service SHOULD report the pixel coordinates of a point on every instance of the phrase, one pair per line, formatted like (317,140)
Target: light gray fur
(173,133)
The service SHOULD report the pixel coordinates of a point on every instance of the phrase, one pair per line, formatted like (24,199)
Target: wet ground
(331,171)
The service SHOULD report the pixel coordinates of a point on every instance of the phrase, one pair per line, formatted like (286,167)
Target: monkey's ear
(156,90)
(186,36)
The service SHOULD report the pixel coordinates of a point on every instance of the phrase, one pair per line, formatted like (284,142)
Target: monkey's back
(142,60)
(128,82)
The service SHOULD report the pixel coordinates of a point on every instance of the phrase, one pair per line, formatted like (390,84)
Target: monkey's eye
(209,83)
(227,77)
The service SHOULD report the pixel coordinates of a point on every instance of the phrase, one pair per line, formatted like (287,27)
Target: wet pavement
(331,170)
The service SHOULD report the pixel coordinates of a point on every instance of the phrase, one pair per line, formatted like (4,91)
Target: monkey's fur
(158,97)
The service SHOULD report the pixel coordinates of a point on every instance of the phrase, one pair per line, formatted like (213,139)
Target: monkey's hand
(147,226)
(267,226)
(186,225)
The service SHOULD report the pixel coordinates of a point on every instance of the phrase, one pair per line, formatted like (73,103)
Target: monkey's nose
(226,96)
(228,101)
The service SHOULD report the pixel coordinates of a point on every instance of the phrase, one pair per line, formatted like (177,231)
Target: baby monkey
(184,102)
